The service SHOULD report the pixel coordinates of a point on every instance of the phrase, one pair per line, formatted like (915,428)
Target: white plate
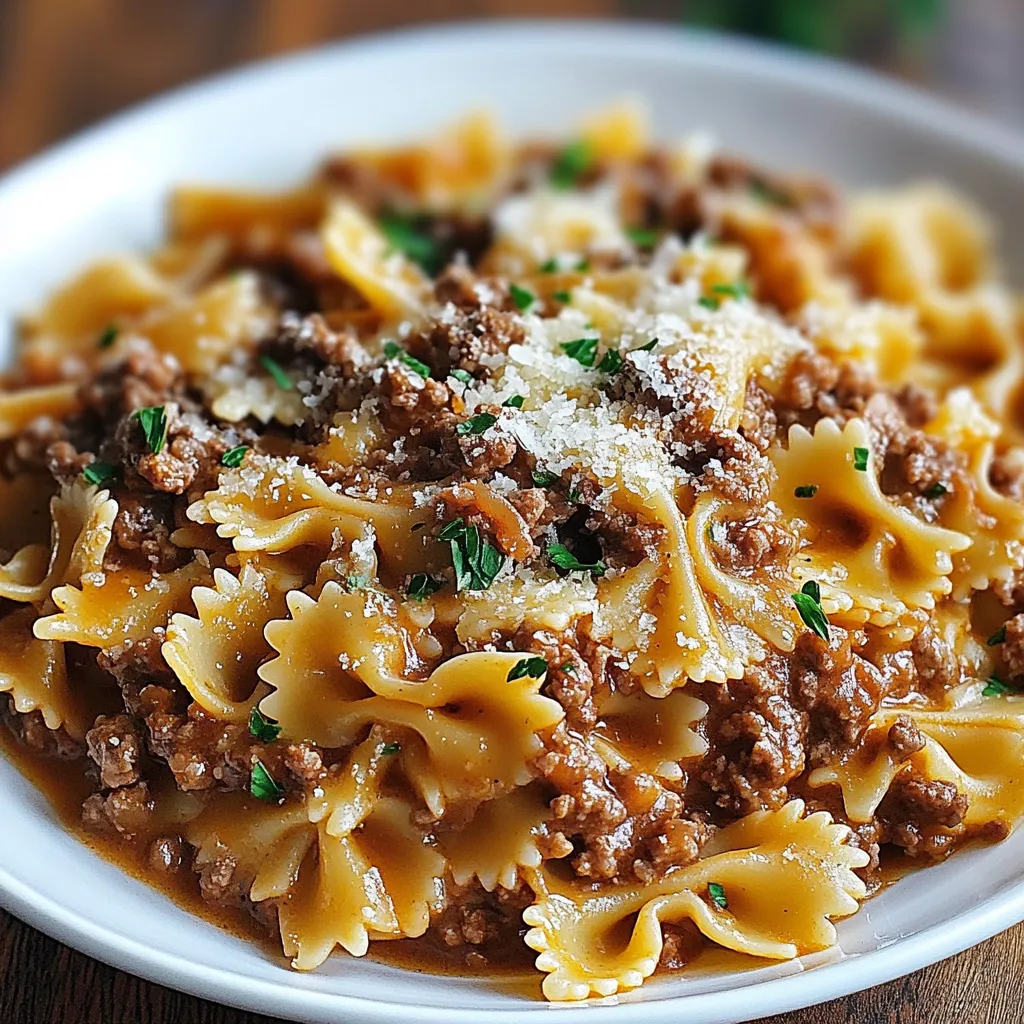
(267,125)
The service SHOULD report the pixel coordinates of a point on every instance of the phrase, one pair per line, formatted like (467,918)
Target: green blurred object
(831,26)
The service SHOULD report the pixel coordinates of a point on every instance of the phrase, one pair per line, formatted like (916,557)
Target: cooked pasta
(601,550)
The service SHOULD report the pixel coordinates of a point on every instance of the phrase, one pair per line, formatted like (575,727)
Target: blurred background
(66,63)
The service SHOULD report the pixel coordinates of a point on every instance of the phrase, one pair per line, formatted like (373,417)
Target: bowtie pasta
(598,550)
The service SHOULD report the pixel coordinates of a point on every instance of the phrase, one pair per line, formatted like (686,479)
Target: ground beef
(938,668)
(474,917)
(30,729)
(166,854)
(116,747)
(341,349)
(141,535)
(1011,650)
(905,738)
(127,810)
(568,678)
(189,459)
(920,815)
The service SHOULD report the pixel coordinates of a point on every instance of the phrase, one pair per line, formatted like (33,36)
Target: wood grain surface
(65,63)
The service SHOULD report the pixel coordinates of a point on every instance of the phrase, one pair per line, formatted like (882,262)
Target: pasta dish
(603,550)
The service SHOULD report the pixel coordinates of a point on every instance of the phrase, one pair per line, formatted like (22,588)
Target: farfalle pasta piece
(650,734)
(784,878)
(381,883)
(34,673)
(687,642)
(471,729)
(124,605)
(276,505)
(977,746)
(81,521)
(202,331)
(758,601)
(500,841)
(216,653)
(361,255)
(20,408)
(993,521)
(872,558)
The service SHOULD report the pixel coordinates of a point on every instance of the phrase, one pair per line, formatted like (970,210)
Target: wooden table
(64,63)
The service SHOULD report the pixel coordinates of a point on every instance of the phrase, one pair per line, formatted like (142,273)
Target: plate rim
(873,92)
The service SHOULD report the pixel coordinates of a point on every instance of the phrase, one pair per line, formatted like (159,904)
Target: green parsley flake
(234,457)
(648,347)
(533,667)
(611,362)
(936,491)
(355,582)
(860,459)
(563,558)
(643,238)
(583,350)
(390,749)
(582,266)
(563,297)
(274,368)
(569,667)
(996,688)
(717,893)
(807,491)
(99,472)
(392,350)
(262,784)
(549,266)
(808,604)
(108,337)
(708,302)
(153,421)
(463,375)
(476,424)
(513,402)
(997,637)
(522,297)
(409,236)
(266,730)
(571,164)
(476,562)
(542,478)
(422,585)
(737,290)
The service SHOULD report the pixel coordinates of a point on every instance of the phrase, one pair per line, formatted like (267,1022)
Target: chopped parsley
(266,730)
(611,362)
(768,193)
(860,459)
(571,164)
(569,667)
(392,350)
(390,749)
(997,637)
(108,337)
(643,238)
(564,297)
(476,562)
(533,667)
(262,784)
(463,375)
(541,478)
(737,290)
(513,402)
(583,350)
(808,604)
(476,424)
(996,688)
(407,235)
(549,266)
(575,495)
(708,302)
(522,297)
(355,582)
(234,457)
(936,491)
(422,585)
(99,472)
(274,368)
(563,558)
(806,491)
(717,893)
(153,421)
(583,266)
(648,347)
